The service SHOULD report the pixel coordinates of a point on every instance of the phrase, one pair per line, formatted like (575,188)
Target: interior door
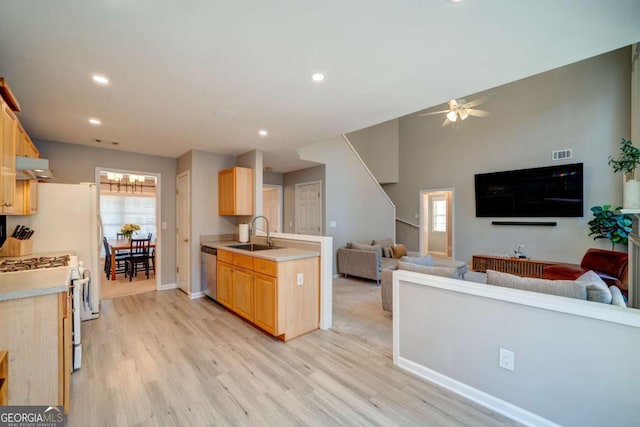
(309,208)
(272,206)
(183,232)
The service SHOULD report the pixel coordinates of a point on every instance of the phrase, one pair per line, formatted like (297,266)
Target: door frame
(188,221)
(280,189)
(451,217)
(158,177)
(295,216)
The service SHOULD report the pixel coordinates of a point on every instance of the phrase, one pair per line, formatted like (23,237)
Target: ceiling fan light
(452,116)
(464,114)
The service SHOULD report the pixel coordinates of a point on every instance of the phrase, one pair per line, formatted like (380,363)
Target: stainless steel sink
(253,247)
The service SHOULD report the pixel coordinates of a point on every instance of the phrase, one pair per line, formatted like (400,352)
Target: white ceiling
(175,65)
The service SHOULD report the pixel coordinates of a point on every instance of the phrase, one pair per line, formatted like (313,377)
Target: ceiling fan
(461,109)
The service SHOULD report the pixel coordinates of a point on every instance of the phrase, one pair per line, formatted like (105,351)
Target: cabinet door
(266,302)
(225,284)
(8,160)
(243,292)
(226,192)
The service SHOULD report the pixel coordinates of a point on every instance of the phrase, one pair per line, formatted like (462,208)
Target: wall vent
(564,154)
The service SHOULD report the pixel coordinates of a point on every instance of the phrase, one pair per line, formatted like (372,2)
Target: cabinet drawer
(265,267)
(225,256)
(243,261)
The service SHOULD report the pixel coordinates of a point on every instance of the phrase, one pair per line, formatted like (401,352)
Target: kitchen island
(35,329)
(276,289)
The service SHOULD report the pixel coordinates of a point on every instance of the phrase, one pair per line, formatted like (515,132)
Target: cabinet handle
(7,204)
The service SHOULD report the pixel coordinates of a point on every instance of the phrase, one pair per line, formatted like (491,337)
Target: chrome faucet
(253,229)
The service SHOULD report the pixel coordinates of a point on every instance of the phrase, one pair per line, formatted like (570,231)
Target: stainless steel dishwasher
(209,256)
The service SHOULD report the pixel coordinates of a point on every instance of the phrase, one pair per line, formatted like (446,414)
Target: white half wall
(577,363)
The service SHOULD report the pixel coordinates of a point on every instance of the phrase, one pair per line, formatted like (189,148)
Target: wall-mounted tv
(552,191)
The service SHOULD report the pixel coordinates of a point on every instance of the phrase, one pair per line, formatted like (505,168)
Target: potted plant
(627,163)
(607,224)
(129,229)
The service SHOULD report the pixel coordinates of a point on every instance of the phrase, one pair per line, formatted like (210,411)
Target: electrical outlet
(300,279)
(507,359)
(333,224)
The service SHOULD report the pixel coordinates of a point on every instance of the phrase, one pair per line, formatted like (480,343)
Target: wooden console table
(518,266)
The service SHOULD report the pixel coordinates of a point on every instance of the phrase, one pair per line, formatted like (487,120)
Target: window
(117,210)
(439,210)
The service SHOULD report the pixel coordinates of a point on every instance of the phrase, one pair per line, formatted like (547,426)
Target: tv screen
(552,191)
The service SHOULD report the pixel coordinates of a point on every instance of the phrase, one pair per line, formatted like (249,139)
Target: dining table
(116,245)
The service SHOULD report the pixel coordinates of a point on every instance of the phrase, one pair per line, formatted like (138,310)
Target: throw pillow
(616,296)
(597,289)
(361,246)
(424,269)
(348,245)
(562,288)
(386,246)
(398,251)
(419,260)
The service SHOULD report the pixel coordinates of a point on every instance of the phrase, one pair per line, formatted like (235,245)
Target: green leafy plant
(129,229)
(628,161)
(607,224)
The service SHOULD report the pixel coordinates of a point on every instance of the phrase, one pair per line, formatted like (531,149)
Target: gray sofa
(368,260)
(587,287)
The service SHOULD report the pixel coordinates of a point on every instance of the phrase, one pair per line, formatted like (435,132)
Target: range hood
(32,168)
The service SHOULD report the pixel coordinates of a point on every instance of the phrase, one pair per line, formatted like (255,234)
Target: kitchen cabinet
(224,278)
(36,332)
(235,191)
(24,145)
(8,135)
(266,302)
(282,298)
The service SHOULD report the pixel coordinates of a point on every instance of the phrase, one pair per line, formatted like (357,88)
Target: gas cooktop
(34,263)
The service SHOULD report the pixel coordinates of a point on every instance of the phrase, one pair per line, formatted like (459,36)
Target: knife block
(16,247)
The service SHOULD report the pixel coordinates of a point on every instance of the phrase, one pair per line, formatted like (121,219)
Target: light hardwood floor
(161,359)
(122,286)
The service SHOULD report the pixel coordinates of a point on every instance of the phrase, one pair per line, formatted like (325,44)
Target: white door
(309,208)
(272,206)
(436,224)
(183,232)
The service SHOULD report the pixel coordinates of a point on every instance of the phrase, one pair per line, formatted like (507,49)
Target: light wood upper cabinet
(8,135)
(235,191)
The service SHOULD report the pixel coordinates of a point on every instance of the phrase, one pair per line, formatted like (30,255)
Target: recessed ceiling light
(99,79)
(95,122)
(317,77)
(263,132)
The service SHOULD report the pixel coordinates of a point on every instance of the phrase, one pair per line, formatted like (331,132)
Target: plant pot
(631,194)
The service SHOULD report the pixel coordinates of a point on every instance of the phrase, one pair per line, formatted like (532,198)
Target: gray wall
(74,163)
(584,106)
(203,170)
(377,146)
(353,199)
(272,178)
(573,370)
(290,179)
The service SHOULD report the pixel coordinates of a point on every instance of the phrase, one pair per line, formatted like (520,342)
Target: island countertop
(23,284)
(278,255)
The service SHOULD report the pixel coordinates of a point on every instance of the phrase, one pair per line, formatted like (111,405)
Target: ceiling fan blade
(446,122)
(453,104)
(433,112)
(480,100)
(477,113)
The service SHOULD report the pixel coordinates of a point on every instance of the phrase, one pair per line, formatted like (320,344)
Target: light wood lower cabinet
(4,378)
(224,279)
(243,292)
(36,332)
(283,298)
(265,288)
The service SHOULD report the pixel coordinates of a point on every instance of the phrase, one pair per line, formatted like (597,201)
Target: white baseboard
(196,295)
(485,399)
(167,286)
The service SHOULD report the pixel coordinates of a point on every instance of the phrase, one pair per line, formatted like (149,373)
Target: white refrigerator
(68,220)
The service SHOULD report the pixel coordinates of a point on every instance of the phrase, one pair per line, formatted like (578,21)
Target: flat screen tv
(552,191)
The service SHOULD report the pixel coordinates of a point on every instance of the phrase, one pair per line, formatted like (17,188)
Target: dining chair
(138,254)
(152,255)
(120,257)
